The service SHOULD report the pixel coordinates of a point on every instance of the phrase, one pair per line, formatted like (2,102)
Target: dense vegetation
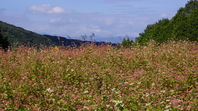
(153,77)
(183,26)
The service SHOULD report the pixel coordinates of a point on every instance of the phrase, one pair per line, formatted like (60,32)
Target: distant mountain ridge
(62,41)
(19,36)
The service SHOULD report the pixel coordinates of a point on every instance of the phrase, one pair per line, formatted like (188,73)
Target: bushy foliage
(183,26)
(127,43)
(152,77)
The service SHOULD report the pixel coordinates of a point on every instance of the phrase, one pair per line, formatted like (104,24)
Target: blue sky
(110,20)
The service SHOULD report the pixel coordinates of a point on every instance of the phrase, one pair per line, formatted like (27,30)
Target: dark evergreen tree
(4,44)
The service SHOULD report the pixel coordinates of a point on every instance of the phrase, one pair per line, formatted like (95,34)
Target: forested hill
(183,26)
(20,36)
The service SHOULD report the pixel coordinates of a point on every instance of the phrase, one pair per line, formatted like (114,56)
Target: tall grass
(153,77)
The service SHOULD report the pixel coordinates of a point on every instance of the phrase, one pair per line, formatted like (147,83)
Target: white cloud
(48,9)
(103,25)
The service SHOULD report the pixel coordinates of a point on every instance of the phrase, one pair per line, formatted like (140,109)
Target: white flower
(117,101)
(131,84)
(49,90)
(168,106)
(147,95)
(113,89)
(148,104)
(85,92)
(162,91)
(171,90)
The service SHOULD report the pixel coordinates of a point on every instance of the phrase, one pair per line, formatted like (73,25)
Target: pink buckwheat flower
(176,101)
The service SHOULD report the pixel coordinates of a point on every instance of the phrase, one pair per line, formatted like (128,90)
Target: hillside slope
(20,36)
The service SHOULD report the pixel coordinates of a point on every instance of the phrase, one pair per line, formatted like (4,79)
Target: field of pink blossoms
(153,78)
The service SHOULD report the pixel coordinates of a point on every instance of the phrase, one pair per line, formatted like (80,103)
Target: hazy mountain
(62,41)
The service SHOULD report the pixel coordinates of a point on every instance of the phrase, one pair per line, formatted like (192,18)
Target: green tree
(193,25)
(158,32)
(127,43)
(4,42)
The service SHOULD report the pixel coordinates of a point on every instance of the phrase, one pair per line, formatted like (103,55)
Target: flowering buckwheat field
(153,77)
